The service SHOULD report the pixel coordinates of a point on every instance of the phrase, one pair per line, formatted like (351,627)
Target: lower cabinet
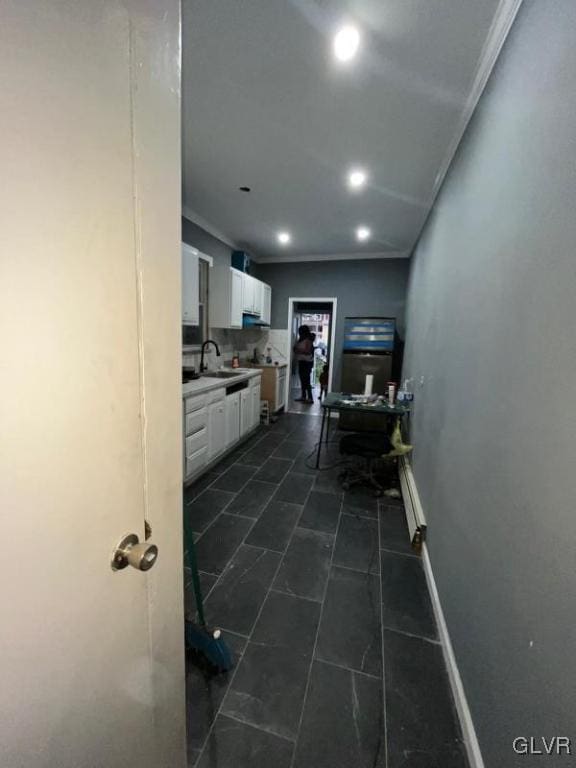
(215,421)
(216,428)
(255,411)
(232,419)
(246,420)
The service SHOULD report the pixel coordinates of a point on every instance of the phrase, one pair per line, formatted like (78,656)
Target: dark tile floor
(326,609)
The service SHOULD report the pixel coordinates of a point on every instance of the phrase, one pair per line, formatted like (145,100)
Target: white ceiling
(265,105)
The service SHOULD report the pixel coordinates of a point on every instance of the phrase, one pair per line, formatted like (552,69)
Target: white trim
(196,252)
(322,300)
(201,222)
(412,499)
(466,723)
(497,34)
(412,504)
(283,258)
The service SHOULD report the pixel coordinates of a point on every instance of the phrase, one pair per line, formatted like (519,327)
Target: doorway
(319,314)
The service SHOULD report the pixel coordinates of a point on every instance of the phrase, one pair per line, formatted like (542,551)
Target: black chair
(368,447)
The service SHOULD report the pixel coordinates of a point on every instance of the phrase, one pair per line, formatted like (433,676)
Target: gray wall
(491,327)
(199,238)
(365,287)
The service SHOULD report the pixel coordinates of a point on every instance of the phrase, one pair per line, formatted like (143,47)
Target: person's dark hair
(304,332)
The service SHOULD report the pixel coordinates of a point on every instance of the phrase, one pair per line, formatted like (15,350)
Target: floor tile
(272,440)
(361,497)
(394,529)
(304,462)
(207,581)
(255,457)
(204,694)
(350,631)
(327,479)
(217,545)
(342,726)
(206,507)
(252,499)
(198,487)
(234,478)
(288,621)
(268,689)
(274,527)
(306,564)
(357,544)
(347,509)
(288,449)
(421,718)
(235,601)
(321,512)
(406,602)
(294,488)
(273,470)
(237,745)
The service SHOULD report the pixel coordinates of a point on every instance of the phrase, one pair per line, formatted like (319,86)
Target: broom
(198,637)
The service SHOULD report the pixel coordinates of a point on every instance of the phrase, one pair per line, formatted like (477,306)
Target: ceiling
(265,105)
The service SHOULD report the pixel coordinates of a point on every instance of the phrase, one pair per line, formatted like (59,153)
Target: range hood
(252,321)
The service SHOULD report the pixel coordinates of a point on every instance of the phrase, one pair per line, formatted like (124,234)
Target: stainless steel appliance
(368,349)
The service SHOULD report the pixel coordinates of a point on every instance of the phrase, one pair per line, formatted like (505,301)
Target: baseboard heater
(413,508)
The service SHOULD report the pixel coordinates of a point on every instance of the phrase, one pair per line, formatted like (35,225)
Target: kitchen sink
(221,374)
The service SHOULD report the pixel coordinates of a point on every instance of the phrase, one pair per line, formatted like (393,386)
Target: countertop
(207,383)
(268,365)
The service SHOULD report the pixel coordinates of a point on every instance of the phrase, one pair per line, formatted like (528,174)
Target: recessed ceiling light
(346,42)
(357,178)
(283,238)
(363,233)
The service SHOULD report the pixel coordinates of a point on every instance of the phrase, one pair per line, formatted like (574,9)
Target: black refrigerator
(368,349)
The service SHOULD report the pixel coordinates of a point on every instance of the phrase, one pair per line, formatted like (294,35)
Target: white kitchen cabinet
(216,428)
(247,293)
(255,396)
(266,303)
(190,286)
(236,298)
(226,288)
(245,411)
(232,409)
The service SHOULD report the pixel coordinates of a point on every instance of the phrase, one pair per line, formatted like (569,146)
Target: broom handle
(193,565)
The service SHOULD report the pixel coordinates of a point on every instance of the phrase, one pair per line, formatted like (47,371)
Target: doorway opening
(319,315)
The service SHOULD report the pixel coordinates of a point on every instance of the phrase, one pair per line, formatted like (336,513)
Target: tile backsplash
(243,341)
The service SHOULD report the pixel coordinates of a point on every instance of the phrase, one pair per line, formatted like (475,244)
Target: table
(334,401)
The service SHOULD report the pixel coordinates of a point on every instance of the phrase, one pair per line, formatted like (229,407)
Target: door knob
(130,551)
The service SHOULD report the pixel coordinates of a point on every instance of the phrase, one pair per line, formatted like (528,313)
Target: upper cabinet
(251,295)
(190,286)
(266,304)
(226,298)
(234,293)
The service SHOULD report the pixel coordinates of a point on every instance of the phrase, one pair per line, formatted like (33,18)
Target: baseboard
(466,722)
(415,518)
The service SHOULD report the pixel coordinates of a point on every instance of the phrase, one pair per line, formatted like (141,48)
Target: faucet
(204,345)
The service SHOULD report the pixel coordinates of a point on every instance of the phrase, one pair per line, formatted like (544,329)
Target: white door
(216,429)
(266,303)
(247,293)
(257,294)
(190,286)
(255,394)
(90,444)
(245,411)
(232,419)
(236,287)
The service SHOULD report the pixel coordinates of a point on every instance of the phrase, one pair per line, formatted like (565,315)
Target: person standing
(304,352)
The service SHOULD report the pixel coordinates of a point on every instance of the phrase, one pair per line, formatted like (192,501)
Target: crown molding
(497,34)
(200,221)
(285,258)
